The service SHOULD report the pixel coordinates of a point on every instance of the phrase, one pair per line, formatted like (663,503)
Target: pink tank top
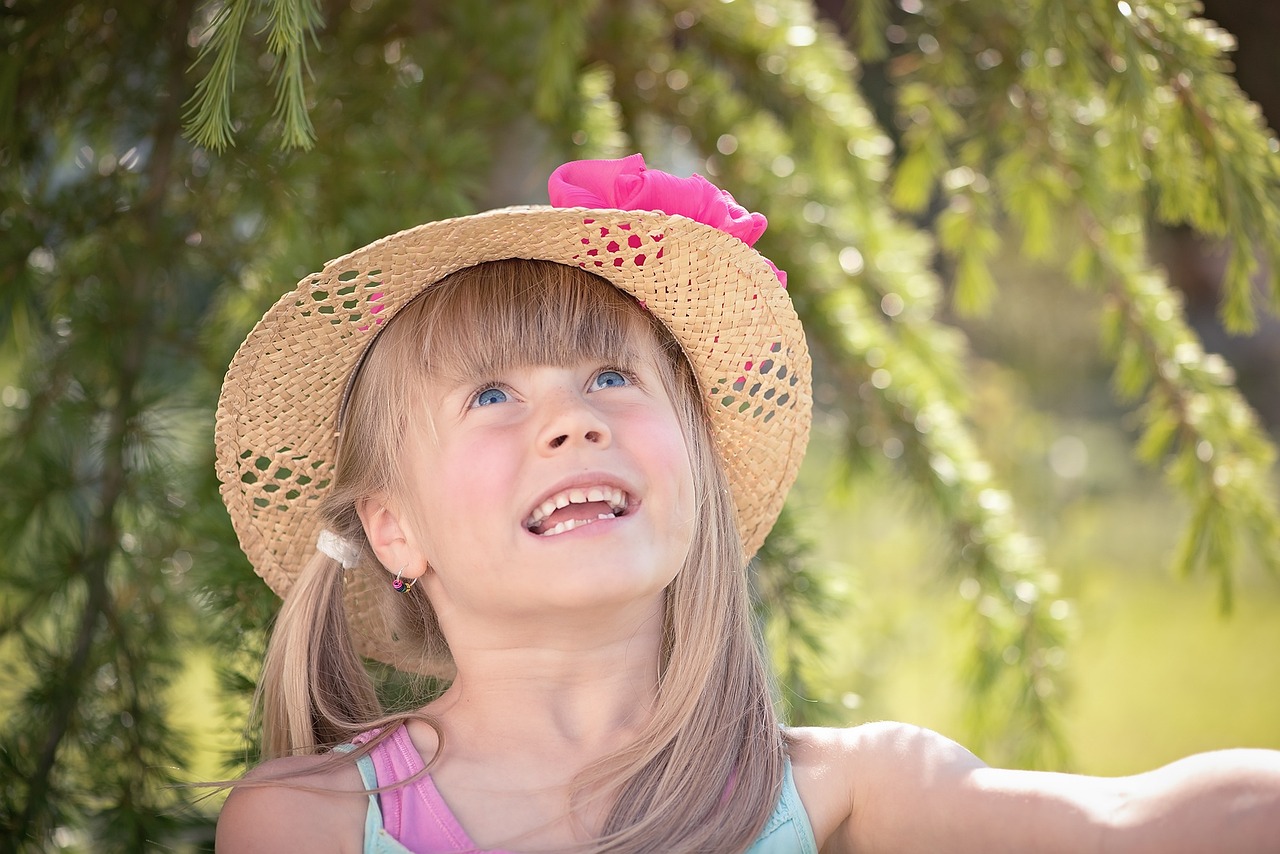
(416,814)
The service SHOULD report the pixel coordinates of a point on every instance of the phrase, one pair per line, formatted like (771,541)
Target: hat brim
(277,414)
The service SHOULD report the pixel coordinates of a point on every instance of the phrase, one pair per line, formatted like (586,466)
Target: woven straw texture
(277,414)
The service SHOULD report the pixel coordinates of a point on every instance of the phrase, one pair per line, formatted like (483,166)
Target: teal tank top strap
(788,830)
(376,838)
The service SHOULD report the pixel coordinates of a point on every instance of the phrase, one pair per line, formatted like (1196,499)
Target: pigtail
(315,692)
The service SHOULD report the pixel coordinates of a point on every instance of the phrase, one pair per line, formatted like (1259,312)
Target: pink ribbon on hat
(627,184)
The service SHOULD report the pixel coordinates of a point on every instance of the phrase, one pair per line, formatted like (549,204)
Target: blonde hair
(706,771)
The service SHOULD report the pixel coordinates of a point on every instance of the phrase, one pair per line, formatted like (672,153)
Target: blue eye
(610,379)
(490,396)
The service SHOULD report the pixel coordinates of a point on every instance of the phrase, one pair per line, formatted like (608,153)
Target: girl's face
(551,489)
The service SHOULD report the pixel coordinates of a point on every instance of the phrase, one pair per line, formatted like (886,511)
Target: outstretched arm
(910,789)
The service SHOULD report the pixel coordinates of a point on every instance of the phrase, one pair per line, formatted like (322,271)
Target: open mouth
(573,508)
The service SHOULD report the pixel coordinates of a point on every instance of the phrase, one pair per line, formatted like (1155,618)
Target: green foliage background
(935,173)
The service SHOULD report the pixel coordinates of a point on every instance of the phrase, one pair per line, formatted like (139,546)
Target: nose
(570,420)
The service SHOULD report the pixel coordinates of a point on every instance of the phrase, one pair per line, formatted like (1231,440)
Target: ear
(391,539)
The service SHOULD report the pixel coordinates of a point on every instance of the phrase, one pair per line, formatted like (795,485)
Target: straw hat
(723,301)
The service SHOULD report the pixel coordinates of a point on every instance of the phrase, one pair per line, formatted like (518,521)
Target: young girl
(529,452)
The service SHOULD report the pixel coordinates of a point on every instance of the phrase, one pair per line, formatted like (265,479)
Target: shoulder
(862,781)
(881,739)
(296,803)
(883,752)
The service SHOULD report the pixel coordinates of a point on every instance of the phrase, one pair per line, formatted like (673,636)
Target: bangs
(484,320)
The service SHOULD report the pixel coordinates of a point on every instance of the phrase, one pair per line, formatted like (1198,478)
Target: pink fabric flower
(626,184)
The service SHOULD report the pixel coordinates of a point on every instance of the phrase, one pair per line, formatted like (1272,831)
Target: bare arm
(1223,801)
(906,789)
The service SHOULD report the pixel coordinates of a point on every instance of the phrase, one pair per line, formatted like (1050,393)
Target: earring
(400,584)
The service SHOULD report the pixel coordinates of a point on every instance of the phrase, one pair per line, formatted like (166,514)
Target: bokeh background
(1034,244)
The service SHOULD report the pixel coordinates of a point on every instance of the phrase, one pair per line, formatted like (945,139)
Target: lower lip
(598,526)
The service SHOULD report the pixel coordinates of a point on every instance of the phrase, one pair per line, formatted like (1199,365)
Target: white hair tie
(343,551)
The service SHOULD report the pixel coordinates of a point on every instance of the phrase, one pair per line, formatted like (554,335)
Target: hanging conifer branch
(1194,421)
(1196,99)
(208,113)
(289,23)
(1057,139)
(208,121)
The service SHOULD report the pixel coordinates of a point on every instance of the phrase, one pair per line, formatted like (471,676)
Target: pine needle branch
(1196,424)
(207,120)
(289,23)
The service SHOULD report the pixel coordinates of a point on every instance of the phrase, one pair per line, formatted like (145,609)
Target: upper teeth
(614,497)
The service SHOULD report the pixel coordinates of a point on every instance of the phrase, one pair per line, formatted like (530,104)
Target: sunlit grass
(1162,674)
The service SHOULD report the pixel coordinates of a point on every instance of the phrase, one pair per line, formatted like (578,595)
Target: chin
(603,585)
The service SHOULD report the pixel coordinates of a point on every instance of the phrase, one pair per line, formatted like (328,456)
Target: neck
(583,685)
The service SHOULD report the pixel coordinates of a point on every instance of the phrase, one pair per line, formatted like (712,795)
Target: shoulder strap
(788,830)
(373,817)
(376,838)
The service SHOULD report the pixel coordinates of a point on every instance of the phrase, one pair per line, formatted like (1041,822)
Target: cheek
(668,449)
(469,481)
(460,488)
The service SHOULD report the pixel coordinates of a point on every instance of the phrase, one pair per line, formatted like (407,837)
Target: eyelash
(474,399)
(627,375)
